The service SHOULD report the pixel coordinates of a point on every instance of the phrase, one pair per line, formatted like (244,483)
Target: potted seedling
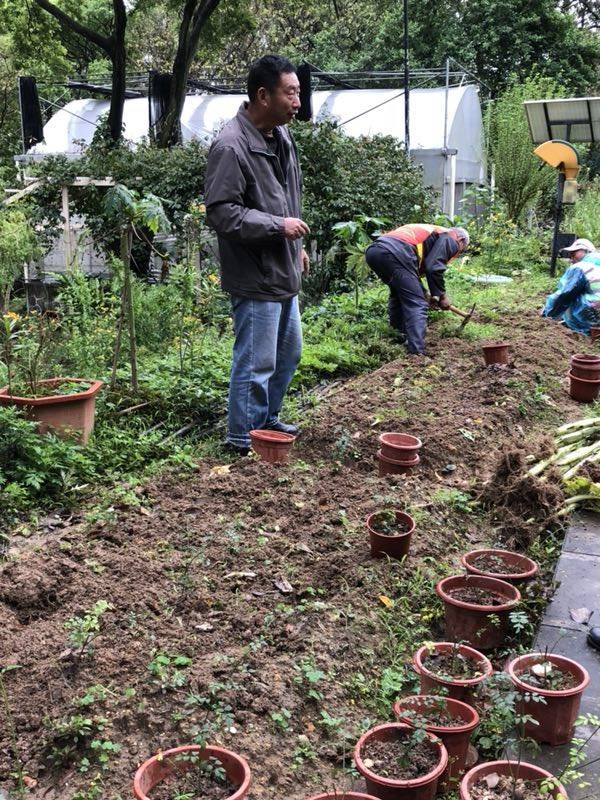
(477,609)
(560,683)
(390,532)
(502,564)
(451,668)
(399,762)
(193,770)
(450,720)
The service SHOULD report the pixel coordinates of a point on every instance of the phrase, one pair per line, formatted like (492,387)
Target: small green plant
(352,239)
(83,629)
(282,718)
(308,676)
(168,671)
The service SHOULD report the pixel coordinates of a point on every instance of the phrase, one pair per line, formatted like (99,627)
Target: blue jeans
(266,352)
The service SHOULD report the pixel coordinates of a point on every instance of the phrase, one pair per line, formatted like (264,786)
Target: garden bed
(243,597)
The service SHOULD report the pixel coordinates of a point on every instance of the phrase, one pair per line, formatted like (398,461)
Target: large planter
(585,366)
(517,567)
(457,688)
(582,389)
(161,766)
(484,626)
(393,546)
(63,414)
(455,738)
(496,353)
(400,447)
(556,716)
(423,788)
(528,772)
(272,446)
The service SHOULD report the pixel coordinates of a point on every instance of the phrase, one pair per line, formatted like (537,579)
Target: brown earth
(256,571)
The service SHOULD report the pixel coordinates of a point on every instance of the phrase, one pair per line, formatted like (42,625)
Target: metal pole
(406,84)
(557,217)
(445,201)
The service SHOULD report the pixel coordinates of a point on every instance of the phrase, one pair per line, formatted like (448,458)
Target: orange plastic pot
(392,546)
(519,568)
(342,796)
(528,772)
(583,390)
(556,716)
(496,353)
(161,766)
(482,626)
(456,739)
(585,366)
(63,414)
(388,466)
(400,447)
(457,688)
(423,788)
(272,446)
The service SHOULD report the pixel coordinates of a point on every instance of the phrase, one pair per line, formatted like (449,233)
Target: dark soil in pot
(506,788)
(387,523)
(195,783)
(548,676)
(400,758)
(475,594)
(451,666)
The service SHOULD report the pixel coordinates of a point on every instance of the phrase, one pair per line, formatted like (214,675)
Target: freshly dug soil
(477,595)
(507,789)
(195,784)
(389,525)
(451,666)
(401,758)
(555,679)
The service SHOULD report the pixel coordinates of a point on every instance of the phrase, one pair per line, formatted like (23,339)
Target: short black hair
(266,71)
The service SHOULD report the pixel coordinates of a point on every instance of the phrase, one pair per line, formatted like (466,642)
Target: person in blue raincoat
(576,301)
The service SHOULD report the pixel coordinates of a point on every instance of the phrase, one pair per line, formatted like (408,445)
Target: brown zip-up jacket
(248,193)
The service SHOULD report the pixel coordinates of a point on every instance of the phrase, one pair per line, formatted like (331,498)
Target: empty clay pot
(582,390)
(518,568)
(482,626)
(272,446)
(387,466)
(458,688)
(400,447)
(556,716)
(516,769)
(585,366)
(161,766)
(392,546)
(496,353)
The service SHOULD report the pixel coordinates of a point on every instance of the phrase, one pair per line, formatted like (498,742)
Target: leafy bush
(18,245)
(583,218)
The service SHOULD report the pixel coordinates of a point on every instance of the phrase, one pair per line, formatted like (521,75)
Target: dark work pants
(407,306)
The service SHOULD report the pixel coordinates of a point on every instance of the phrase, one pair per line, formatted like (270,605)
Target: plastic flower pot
(496,353)
(422,788)
(272,446)
(585,366)
(556,717)
(485,626)
(400,447)
(388,466)
(457,688)
(455,738)
(393,546)
(161,766)
(342,796)
(594,333)
(582,390)
(63,414)
(518,568)
(528,772)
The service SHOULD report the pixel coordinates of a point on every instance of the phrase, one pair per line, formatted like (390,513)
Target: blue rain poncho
(577,299)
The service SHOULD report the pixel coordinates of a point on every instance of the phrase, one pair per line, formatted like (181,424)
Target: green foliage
(583,218)
(84,628)
(352,239)
(168,671)
(18,245)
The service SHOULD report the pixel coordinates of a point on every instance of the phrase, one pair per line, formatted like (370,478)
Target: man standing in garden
(401,258)
(252,189)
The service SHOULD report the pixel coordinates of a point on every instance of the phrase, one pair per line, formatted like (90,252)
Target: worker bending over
(401,258)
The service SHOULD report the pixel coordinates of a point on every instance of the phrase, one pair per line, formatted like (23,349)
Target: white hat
(580,244)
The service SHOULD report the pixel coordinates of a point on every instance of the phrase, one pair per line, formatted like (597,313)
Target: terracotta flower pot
(528,772)
(400,447)
(60,413)
(393,546)
(423,788)
(594,333)
(556,717)
(582,390)
(455,738)
(272,446)
(457,688)
(518,568)
(388,466)
(480,625)
(342,796)
(585,366)
(496,353)
(161,766)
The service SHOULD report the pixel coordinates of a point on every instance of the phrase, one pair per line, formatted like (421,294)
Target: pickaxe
(466,315)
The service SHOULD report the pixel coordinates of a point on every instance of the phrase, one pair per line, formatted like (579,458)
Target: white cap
(580,244)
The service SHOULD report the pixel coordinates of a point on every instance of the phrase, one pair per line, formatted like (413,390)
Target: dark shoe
(233,449)
(282,427)
(593,637)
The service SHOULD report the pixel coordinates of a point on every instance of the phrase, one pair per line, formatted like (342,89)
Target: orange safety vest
(416,234)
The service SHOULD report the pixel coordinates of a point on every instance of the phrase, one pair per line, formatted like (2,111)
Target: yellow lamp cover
(560,155)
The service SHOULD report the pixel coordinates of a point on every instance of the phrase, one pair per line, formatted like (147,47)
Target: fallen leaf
(492,780)
(284,586)
(580,615)
(239,575)
(386,601)
(222,469)
(204,627)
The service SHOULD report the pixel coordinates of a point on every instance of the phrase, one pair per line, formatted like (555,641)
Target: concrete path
(578,571)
